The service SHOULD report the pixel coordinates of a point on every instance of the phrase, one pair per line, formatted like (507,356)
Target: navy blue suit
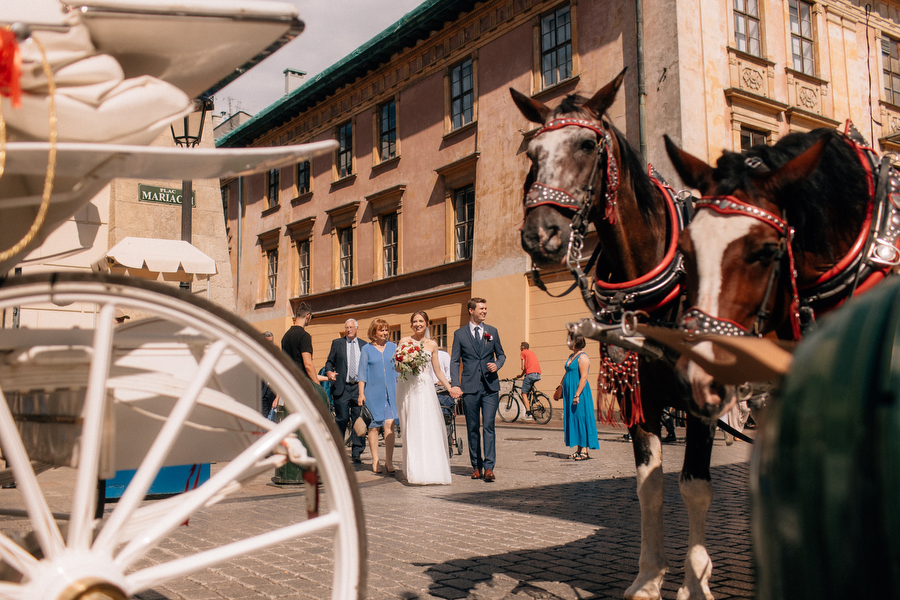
(480,388)
(345,395)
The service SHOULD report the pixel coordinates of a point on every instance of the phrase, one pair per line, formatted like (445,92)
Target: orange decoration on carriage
(10,67)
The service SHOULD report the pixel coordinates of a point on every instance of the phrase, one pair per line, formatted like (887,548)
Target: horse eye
(764,255)
(588,145)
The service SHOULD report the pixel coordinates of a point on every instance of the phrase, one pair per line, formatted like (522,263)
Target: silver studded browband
(729,205)
(696,321)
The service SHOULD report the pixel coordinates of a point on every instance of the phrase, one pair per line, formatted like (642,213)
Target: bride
(425,457)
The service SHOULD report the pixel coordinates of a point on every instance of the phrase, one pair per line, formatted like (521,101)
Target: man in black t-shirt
(297,343)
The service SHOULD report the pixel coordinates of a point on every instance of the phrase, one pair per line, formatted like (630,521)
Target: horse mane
(836,192)
(632,163)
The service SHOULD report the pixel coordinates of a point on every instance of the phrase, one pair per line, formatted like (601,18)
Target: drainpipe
(642,90)
(237,277)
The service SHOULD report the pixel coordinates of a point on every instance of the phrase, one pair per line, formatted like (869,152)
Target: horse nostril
(549,238)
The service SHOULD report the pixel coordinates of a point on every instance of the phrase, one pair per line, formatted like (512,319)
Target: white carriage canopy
(148,258)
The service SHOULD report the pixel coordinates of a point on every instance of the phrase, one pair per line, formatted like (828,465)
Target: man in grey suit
(477,347)
(341,368)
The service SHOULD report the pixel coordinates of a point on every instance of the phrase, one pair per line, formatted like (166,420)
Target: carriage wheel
(84,386)
(508,408)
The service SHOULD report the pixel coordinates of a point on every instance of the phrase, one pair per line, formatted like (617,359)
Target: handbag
(557,394)
(361,425)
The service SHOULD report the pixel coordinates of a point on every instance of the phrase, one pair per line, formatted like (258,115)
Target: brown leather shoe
(476,474)
(488,475)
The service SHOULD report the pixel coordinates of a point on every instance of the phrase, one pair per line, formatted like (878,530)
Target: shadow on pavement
(605,563)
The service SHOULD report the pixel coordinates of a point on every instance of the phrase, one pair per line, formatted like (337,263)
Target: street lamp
(187,133)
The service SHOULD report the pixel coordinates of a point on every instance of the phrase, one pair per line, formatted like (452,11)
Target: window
(462,94)
(394,334)
(746,26)
(345,150)
(556,46)
(750,138)
(303,267)
(346,266)
(891,69)
(272,278)
(387,130)
(439,334)
(389,244)
(464,208)
(802,36)
(303,178)
(272,187)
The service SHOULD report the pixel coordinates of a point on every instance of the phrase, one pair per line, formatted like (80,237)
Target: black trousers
(346,411)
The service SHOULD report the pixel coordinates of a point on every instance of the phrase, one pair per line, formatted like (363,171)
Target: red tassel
(10,68)
(610,214)
(621,380)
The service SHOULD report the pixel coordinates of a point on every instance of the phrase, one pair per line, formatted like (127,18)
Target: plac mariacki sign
(161,195)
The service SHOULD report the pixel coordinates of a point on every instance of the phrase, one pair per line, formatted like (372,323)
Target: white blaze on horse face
(554,149)
(711,235)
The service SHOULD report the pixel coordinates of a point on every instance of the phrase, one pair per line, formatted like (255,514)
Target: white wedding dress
(425,457)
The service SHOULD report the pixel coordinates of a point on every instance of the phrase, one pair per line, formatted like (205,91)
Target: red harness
(879,265)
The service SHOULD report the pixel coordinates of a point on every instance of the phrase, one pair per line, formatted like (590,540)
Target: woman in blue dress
(579,423)
(378,389)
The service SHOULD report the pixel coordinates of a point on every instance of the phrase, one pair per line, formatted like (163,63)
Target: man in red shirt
(531,373)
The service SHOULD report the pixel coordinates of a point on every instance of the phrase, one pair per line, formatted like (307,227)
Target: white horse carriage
(181,386)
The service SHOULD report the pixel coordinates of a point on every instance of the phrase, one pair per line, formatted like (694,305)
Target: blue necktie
(478,335)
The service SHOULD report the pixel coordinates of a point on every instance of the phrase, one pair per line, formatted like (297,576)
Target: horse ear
(693,171)
(534,111)
(604,98)
(798,168)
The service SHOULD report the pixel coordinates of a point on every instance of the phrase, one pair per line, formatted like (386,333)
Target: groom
(477,346)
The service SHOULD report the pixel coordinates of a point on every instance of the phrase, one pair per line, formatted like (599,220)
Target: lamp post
(187,133)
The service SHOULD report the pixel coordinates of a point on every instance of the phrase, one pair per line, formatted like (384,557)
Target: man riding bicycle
(531,373)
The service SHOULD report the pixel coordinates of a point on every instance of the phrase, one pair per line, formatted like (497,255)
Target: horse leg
(648,460)
(696,490)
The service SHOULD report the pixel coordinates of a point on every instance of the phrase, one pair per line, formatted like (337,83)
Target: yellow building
(421,206)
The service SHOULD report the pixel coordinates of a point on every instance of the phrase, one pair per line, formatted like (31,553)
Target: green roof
(416,25)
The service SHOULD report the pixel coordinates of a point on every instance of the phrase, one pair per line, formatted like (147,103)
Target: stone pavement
(547,528)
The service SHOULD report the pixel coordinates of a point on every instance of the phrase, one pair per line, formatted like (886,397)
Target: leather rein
(606,301)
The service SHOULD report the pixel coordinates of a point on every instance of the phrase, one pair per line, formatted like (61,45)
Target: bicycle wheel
(509,408)
(541,408)
(178,387)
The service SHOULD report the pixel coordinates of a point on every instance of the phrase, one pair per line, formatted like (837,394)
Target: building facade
(420,207)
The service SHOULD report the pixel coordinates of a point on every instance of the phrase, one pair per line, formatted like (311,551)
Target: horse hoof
(648,590)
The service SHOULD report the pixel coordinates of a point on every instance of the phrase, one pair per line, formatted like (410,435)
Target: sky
(334,28)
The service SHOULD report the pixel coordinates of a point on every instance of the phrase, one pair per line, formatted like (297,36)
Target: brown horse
(583,170)
(782,233)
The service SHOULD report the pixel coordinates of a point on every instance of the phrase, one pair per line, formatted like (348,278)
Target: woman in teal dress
(579,423)
(378,390)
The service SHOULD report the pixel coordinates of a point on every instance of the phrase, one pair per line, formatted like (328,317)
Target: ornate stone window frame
(342,217)
(300,231)
(383,203)
(455,175)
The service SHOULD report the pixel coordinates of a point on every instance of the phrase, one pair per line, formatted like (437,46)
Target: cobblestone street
(547,528)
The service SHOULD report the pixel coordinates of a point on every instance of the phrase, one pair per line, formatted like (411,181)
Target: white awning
(150,255)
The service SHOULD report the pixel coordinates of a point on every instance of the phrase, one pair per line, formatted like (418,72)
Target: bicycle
(541,409)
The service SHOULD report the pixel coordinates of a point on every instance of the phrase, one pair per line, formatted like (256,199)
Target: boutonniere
(487,336)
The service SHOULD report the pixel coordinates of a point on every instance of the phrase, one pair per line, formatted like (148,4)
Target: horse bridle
(695,320)
(539,194)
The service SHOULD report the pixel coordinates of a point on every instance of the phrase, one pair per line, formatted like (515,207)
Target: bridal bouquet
(410,359)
